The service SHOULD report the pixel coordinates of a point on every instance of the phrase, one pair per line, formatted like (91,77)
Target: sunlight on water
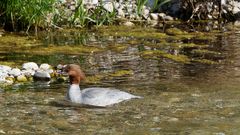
(179,98)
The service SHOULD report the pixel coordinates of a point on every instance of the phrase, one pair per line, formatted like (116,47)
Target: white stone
(45,66)
(161,16)
(168,18)
(15,72)
(108,6)
(116,5)
(3,74)
(128,24)
(154,16)
(28,73)
(5,68)
(145,13)
(30,66)
(121,13)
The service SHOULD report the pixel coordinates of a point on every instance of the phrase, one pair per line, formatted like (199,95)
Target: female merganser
(92,96)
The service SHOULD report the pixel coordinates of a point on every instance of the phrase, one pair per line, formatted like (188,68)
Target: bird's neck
(74,93)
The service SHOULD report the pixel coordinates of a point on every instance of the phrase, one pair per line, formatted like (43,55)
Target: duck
(95,96)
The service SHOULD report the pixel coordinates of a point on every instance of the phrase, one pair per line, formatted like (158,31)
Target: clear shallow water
(178,98)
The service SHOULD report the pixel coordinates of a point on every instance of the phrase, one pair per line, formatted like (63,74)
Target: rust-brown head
(75,73)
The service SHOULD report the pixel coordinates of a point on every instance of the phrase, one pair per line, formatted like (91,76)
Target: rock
(156,119)
(108,6)
(116,5)
(153,23)
(121,13)
(3,74)
(9,80)
(45,66)
(4,68)
(15,72)
(174,31)
(30,66)
(22,78)
(1,32)
(236,7)
(161,16)
(145,13)
(129,24)
(173,119)
(41,76)
(28,73)
(154,16)
(168,18)
(237,23)
(155,129)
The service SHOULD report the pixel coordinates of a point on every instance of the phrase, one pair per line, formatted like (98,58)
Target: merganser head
(75,73)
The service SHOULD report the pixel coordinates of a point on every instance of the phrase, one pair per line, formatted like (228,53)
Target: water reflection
(179,98)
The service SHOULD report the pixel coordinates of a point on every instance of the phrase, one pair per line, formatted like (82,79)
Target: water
(179,98)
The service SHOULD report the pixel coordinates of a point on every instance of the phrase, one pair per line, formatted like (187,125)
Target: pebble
(154,16)
(129,24)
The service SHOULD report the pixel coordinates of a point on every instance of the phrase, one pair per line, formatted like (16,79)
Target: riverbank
(60,14)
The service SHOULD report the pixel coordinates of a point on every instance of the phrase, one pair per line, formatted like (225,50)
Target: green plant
(80,16)
(27,12)
(140,4)
(100,16)
(159,3)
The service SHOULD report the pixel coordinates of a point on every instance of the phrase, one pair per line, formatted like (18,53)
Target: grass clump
(26,13)
(158,53)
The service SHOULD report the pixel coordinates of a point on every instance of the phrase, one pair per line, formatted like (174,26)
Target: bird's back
(104,96)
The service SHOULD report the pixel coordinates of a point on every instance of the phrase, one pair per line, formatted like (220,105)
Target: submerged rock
(41,76)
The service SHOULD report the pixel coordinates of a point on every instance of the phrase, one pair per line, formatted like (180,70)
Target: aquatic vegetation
(205,61)
(121,73)
(94,79)
(175,31)
(137,32)
(11,40)
(61,50)
(205,52)
(118,48)
(158,53)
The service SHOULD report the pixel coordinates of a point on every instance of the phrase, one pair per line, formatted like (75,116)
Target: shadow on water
(190,83)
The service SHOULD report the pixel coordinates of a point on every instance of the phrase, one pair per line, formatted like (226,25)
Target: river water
(179,98)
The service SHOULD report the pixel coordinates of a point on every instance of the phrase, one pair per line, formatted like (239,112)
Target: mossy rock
(137,32)
(94,79)
(158,53)
(118,48)
(175,31)
(22,78)
(122,73)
